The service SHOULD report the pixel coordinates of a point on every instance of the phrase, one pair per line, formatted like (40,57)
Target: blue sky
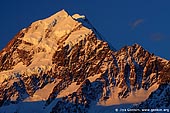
(121,22)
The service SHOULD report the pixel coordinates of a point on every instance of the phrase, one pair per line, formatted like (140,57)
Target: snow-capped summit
(42,38)
(62,64)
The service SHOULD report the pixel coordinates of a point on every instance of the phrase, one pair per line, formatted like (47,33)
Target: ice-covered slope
(61,64)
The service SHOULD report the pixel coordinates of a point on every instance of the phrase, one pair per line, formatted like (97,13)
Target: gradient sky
(121,22)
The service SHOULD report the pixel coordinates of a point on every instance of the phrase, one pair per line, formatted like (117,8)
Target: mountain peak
(43,38)
(63,64)
(57,16)
(136,45)
(56,30)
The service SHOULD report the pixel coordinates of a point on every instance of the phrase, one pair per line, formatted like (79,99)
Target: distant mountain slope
(61,64)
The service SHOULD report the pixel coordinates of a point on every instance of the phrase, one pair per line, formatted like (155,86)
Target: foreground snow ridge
(62,64)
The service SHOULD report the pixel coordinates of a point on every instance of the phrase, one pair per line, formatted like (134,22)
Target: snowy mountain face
(61,64)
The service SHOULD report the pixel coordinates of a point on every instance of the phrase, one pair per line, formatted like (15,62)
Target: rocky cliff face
(66,67)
